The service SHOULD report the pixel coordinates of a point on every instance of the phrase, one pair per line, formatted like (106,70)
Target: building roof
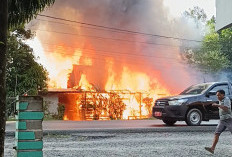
(59,91)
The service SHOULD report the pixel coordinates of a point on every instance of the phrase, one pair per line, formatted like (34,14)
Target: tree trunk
(3,41)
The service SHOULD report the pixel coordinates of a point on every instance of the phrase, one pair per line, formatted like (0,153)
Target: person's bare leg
(215,141)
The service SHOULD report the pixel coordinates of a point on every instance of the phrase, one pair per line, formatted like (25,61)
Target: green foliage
(211,25)
(225,41)
(211,42)
(47,114)
(210,61)
(214,53)
(23,11)
(24,74)
(51,116)
(60,109)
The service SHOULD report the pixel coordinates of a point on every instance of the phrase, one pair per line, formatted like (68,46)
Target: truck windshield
(196,89)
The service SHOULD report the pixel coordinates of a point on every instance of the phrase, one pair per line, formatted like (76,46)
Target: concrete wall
(223,14)
(52,101)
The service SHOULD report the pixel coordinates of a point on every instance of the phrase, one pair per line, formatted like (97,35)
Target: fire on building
(84,101)
(112,105)
(99,72)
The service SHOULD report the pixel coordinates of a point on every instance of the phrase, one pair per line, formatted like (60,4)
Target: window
(224,87)
(196,89)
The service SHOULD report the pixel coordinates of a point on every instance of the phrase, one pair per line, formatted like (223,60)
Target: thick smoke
(155,56)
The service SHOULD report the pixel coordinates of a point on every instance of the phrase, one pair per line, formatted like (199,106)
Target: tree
(225,41)
(209,58)
(19,12)
(23,73)
(208,61)
(197,14)
(3,39)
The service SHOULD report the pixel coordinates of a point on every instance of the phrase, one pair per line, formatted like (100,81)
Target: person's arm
(224,107)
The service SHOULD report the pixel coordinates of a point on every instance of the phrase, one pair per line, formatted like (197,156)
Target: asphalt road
(134,138)
(154,125)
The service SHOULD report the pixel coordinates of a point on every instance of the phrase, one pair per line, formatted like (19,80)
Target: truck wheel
(169,122)
(194,117)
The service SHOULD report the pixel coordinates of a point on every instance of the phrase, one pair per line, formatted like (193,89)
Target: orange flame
(62,65)
(132,79)
(135,82)
(65,117)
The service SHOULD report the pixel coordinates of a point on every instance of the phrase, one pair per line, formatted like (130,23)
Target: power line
(79,26)
(110,56)
(122,30)
(97,37)
(116,52)
(104,30)
(152,43)
(118,60)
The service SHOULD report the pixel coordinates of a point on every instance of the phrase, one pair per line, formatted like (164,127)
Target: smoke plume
(114,59)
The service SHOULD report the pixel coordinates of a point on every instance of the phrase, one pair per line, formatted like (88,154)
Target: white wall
(52,100)
(223,13)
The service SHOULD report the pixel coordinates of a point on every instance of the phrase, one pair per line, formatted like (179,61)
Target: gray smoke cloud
(157,57)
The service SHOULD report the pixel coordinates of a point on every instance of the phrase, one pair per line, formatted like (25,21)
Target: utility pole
(16,84)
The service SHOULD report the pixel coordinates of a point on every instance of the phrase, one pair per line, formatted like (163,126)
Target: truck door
(212,112)
(230,93)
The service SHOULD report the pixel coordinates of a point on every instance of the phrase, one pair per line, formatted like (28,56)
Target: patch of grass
(11,118)
(48,117)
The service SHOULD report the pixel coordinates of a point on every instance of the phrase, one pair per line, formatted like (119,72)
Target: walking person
(225,115)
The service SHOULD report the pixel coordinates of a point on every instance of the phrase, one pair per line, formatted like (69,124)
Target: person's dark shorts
(222,125)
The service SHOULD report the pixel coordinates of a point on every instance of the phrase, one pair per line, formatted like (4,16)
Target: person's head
(220,94)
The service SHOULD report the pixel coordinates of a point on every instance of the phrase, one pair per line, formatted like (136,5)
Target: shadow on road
(163,125)
(181,125)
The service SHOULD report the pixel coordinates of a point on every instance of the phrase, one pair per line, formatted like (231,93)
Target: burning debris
(113,105)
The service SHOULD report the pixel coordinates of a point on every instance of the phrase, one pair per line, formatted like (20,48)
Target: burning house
(114,63)
(93,105)
(85,101)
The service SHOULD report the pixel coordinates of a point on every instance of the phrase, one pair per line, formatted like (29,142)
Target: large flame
(62,65)
(138,82)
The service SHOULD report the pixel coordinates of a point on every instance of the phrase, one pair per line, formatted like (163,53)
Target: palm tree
(12,14)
